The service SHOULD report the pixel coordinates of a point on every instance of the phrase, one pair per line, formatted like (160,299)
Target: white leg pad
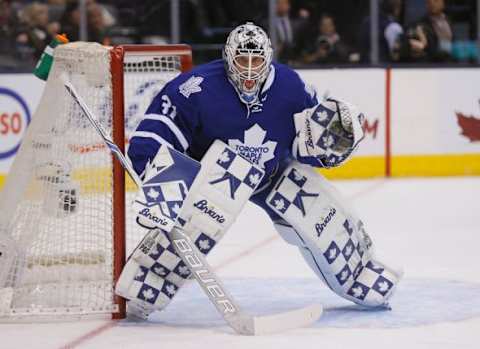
(222,187)
(330,237)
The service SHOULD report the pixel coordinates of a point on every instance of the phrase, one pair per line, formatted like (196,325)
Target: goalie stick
(226,305)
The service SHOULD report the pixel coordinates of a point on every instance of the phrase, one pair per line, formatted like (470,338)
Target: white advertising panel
(19,96)
(435,111)
(362,87)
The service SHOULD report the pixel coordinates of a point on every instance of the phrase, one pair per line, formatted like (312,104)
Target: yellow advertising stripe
(94,180)
(436,165)
(98,180)
(357,167)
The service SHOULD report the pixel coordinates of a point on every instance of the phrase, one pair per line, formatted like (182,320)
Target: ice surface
(429,227)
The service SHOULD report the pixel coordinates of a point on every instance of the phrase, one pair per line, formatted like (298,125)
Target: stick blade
(288,320)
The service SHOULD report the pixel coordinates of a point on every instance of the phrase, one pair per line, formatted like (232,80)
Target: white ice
(428,227)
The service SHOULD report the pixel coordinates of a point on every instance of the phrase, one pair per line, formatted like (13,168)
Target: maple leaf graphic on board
(470,126)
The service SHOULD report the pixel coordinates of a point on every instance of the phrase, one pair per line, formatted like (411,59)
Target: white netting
(145,75)
(56,215)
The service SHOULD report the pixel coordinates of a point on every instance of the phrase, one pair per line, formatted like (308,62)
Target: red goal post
(184,53)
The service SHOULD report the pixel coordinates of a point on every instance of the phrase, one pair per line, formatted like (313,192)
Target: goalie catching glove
(328,132)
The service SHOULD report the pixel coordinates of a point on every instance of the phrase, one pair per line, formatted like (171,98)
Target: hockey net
(65,226)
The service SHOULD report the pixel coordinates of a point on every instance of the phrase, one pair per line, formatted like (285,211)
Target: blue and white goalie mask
(248,55)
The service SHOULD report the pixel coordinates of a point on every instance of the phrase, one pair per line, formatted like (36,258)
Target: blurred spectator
(97,25)
(328,46)
(70,21)
(36,31)
(438,32)
(6,27)
(411,46)
(389,33)
(288,30)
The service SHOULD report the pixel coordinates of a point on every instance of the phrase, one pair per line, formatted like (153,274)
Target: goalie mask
(248,55)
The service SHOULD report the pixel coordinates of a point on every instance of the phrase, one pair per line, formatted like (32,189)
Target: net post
(118,185)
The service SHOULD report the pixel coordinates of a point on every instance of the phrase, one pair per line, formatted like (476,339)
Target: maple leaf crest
(470,126)
(153,251)
(159,271)
(224,157)
(204,244)
(176,209)
(139,274)
(192,85)
(322,115)
(357,292)
(332,253)
(383,286)
(348,251)
(279,204)
(148,293)
(253,147)
(170,290)
(328,141)
(254,178)
(183,270)
(153,194)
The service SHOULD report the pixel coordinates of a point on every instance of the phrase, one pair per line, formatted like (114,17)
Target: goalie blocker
(203,199)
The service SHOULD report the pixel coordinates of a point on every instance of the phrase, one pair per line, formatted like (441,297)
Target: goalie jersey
(197,107)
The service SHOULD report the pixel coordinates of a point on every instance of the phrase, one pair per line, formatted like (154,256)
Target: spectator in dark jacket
(328,46)
(438,32)
(289,32)
(389,32)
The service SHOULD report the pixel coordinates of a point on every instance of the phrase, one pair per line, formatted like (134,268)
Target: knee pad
(331,237)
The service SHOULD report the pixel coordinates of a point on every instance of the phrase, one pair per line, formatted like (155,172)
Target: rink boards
(420,122)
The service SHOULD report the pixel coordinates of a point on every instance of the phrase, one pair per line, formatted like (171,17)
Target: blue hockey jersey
(199,106)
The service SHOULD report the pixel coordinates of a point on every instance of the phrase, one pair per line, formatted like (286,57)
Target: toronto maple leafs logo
(254,179)
(171,290)
(183,270)
(160,270)
(327,141)
(153,194)
(204,245)
(253,147)
(279,204)
(192,85)
(344,275)
(148,294)
(357,292)
(322,115)
(224,157)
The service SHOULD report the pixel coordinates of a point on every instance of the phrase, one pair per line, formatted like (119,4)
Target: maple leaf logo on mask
(470,126)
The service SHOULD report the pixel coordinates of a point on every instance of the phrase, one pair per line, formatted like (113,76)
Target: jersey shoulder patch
(192,85)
